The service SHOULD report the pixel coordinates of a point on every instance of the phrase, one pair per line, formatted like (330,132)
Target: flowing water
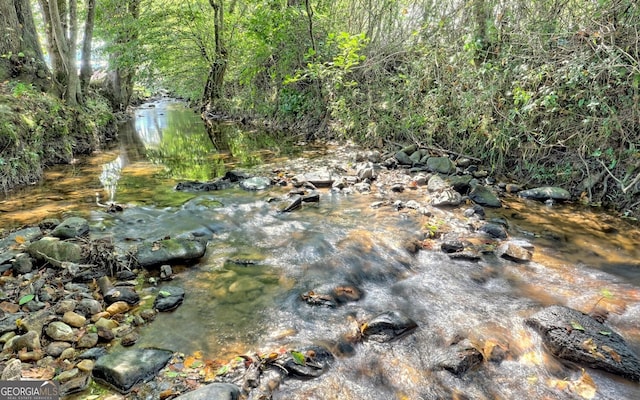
(244,295)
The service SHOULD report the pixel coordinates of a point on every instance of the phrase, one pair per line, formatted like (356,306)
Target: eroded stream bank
(267,283)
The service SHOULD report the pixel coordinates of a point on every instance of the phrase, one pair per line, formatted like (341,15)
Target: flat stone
(71,228)
(513,251)
(87,341)
(29,341)
(255,183)
(55,349)
(442,165)
(169,251)
(118,307)
(446,198)
(460,358)
(125,369)
(12,370)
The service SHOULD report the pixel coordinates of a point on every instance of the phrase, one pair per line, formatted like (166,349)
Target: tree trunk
(21,56)
(213,90)
(120,79)
(85,68)
(62,35)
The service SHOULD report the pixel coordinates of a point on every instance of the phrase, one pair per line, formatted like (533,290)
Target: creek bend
(244,295)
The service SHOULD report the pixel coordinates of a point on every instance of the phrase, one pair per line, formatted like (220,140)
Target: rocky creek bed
(71,300)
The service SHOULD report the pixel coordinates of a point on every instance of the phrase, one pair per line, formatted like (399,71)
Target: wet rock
(494,230)
(446,198)
(452,246)
(169,298)
(442,165)
(7,307)
(67,375)
(518,251)
(460,358)
(196,186)
(55,251)
(482,195)
(319,299)
(169,251)
(12,370)
(362,187)
(571,335)
(316,360)
(468,255)
(388,326)
(214,391)
(293,204)
(60,331)
(255,183)
(347,293)
(545,193)
(148,314)
(125,369)
(70,228)
(122,293)
(313,197)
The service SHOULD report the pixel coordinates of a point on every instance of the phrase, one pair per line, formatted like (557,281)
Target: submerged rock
(214,391)
(575,336)
(388,326)
(460,358)
(255,183)
(309,362)
(169,250)
(125,369)
(169,298)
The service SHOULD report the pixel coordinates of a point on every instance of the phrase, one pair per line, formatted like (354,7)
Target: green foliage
(25,299)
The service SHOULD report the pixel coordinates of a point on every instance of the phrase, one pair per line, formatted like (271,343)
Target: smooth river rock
(71,228)
(575,336)
(125,369)
(169,251)
(545,193)
(388,326)
(169,298)
(55,251)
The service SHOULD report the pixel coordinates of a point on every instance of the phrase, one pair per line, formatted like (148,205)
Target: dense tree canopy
(544,89)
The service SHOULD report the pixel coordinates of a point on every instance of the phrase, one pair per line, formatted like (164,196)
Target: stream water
(244,295)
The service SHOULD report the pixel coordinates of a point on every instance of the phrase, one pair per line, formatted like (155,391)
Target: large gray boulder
(169,251)
(124,370)
(546,193)
(574,336)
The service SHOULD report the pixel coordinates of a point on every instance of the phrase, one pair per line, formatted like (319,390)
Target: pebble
(74,319)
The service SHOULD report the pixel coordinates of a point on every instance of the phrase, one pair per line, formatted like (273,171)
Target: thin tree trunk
(85,68)
(213,90)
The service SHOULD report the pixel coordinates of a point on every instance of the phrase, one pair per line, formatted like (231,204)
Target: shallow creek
(244,295)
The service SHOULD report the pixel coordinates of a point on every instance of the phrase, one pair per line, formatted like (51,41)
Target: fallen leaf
(612,353)
(577,326)
(298,357)
(20,239)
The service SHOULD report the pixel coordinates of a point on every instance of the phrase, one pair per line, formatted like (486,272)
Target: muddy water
(244,295)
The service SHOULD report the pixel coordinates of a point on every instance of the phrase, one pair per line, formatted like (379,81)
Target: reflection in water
(110,175)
